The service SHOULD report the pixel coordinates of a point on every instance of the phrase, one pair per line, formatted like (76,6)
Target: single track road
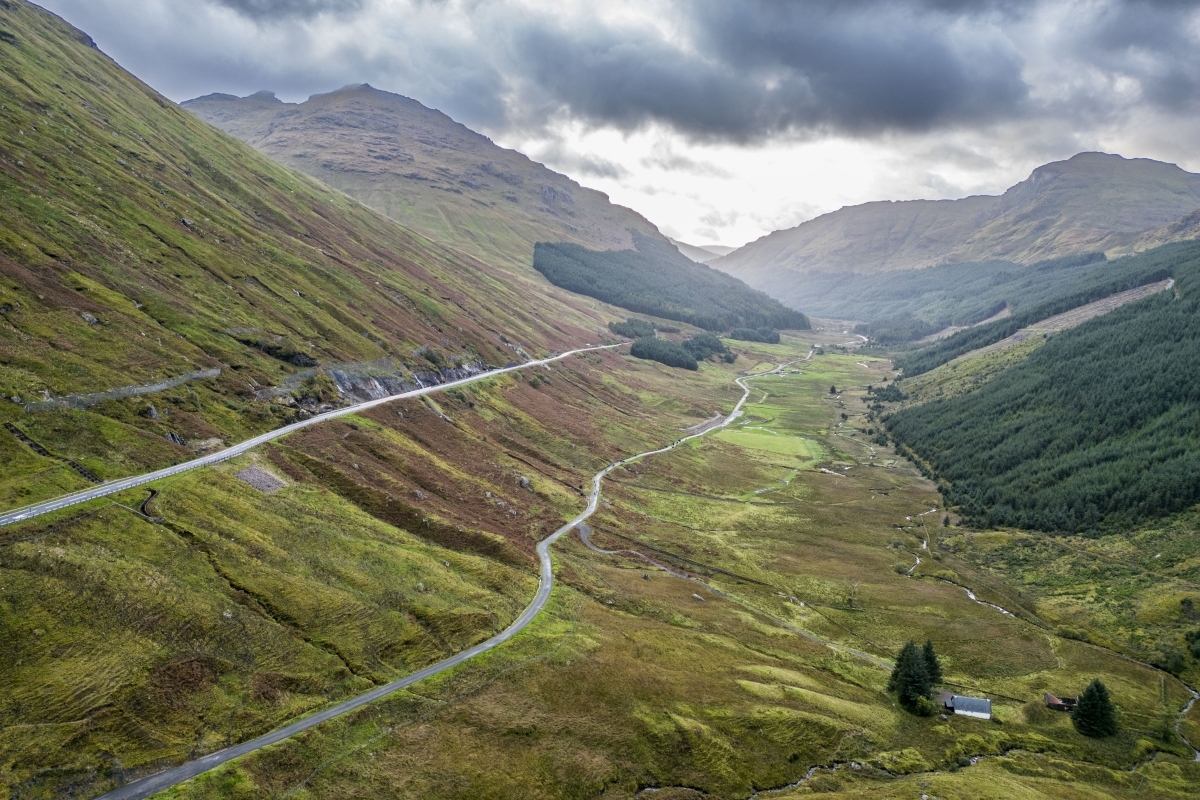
(164,780)
(120,485)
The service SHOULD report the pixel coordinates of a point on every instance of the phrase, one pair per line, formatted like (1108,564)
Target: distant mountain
(702,254)
(427,172)
(1093,201)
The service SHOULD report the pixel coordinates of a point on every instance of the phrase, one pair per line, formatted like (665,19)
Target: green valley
(477,486)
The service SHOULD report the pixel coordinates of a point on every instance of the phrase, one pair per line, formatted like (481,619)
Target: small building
(1060,703)
(977,707)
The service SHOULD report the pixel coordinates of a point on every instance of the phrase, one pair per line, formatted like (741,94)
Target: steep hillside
(655,278)
(1096,429)
(1093,201)
(139,245)
(426,171)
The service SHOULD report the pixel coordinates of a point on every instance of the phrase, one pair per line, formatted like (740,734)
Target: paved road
(112,487)
(164,780)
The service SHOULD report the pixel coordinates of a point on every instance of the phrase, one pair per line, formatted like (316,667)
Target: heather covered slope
(427,171)
(1093,201)
(138,243)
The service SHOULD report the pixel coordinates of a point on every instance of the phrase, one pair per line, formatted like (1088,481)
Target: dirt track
(1074,317)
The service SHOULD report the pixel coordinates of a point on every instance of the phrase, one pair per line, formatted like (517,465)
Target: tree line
(656,279)
(1118,276)
(764,335)
(686,355)
(1099,428)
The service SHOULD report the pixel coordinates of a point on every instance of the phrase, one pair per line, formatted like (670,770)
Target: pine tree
(932,664)
(910,678)
(1094,715)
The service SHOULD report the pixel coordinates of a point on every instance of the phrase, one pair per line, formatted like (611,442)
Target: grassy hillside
(761,667)
(428,172)
(398,537)
(134,636)
(1060,294)
(138,243)
(1095,430)
(1090,202)
(655,278)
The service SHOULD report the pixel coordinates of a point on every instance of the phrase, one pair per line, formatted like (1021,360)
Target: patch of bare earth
(262,480)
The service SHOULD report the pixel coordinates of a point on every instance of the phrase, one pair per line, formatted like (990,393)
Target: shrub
(704,345)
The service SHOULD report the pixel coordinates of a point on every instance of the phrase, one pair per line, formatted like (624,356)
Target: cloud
(270,10)
(664,157)
(563,158)
(750,70)
(718,219)
(708,70)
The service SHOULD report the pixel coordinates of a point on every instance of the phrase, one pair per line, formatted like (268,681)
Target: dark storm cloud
(266,10)
(715,70)
(1147,40)
(758,67)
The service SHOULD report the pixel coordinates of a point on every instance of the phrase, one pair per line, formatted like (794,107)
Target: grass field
(767,662)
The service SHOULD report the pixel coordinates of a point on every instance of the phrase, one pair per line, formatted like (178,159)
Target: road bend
(164,780)
(112,487)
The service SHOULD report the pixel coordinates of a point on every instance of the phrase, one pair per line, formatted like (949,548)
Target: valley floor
(753,665)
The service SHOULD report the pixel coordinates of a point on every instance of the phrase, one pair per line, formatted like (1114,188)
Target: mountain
(702,254)
(139,244)
(1092,201)
(426,171)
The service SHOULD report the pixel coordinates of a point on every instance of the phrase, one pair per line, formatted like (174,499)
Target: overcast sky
(720,121)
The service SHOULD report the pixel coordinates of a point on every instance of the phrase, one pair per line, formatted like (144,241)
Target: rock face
(361,386)
(1093,201)
(426,171)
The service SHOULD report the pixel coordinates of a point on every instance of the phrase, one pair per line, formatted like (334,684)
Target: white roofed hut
(977,707)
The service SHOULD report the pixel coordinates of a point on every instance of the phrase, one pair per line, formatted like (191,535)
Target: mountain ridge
(1092,201)
(419,167)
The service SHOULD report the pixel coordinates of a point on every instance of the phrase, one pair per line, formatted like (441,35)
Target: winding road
(164,780)
(120,485)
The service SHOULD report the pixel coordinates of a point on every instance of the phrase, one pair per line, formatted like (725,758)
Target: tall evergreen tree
(910,678)
(932,665)
(1094,715)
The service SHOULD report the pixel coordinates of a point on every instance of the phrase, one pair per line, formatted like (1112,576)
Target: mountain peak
(263,94)
(1091,201)
(423,169)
